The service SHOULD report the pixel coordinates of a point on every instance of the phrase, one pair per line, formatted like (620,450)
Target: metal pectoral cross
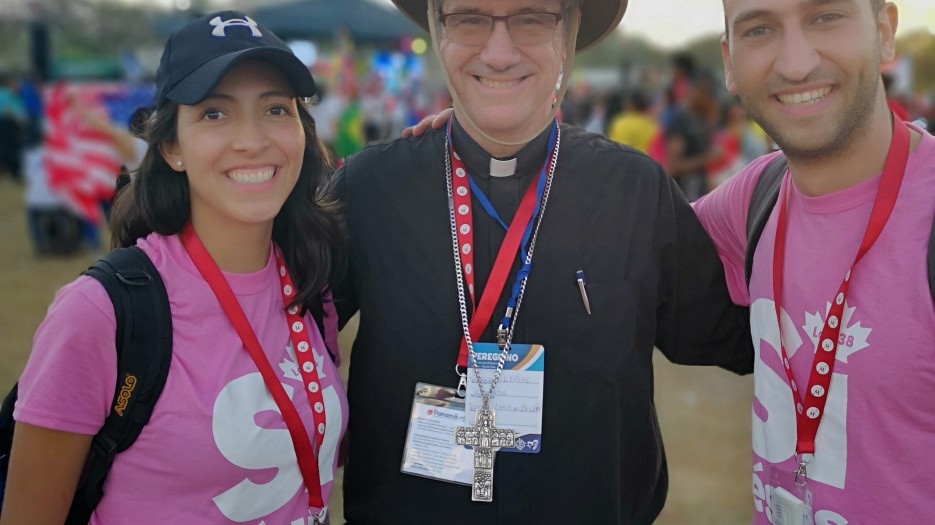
(486,439)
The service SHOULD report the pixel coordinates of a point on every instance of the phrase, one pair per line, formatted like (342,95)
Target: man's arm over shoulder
(343,290)
(366,180)
(698,323)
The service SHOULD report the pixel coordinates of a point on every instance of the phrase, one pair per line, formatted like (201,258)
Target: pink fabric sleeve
(723,213)
(69,380)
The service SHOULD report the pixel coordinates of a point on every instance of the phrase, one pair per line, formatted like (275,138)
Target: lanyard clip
(504,329)
(800,476)
(462,383)
(502,332)
(318,518)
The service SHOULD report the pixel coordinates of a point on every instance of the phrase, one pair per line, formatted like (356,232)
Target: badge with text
(789,509)
(792,506)
(517,399)
(430,449)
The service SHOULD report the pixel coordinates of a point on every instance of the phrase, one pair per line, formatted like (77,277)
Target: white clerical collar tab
(502,168)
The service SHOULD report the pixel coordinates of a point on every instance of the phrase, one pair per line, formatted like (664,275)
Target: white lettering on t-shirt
(774,435)
(828,517)
(249,446)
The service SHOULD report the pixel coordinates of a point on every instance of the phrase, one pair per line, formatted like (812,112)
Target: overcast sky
(672,23)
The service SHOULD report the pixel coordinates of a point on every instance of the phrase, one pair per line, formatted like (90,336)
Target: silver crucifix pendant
(486,439)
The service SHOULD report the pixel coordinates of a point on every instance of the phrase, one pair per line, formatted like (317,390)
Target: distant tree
(81,29)
(618,49)
(14,45)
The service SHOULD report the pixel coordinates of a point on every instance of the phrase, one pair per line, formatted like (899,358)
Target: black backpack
(144,350)
(765,195)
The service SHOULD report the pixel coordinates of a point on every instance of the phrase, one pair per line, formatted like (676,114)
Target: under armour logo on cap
(198,55)
(221,25)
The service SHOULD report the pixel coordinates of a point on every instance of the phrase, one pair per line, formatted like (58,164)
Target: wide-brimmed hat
(197,57)
(598,18)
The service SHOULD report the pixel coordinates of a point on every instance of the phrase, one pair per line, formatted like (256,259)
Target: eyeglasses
(473,29)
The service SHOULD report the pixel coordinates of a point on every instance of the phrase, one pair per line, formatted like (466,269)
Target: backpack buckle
(103,446)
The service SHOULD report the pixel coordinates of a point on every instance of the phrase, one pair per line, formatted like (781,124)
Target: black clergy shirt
(653,279)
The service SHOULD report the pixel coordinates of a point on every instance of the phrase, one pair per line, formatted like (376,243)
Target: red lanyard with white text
(305,452)
(461,197)
(809,411)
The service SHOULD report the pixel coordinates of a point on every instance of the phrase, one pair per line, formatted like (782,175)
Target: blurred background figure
(31,96)
(326,111)
(595,120)
(13,126)
(727,145)
(635,126)
(684,69)
(53,228)
(688,137)
(349,131)
(894,100)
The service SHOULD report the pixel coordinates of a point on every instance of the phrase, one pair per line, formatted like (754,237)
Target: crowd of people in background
(687,122)
(690,125)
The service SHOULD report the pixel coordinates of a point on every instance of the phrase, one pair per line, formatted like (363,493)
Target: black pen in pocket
(579,276)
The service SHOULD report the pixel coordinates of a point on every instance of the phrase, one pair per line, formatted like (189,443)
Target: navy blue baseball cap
(197,57)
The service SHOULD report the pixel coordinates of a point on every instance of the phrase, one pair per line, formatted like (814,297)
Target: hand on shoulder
(429,122)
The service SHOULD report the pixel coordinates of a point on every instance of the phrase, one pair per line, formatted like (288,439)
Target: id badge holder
(430,449)
(518,398)
(790,503)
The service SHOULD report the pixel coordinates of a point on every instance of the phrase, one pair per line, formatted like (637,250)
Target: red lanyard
(305,452)
(810,410)
(464,223)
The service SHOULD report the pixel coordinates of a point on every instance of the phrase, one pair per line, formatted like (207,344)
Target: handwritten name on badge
(517,398)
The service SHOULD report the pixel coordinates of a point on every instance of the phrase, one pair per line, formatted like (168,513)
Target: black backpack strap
(931,258)
(6,437)
(765,194)
(764,197)
(144,351)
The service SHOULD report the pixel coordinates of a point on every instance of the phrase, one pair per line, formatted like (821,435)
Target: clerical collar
(481,164)
(502,168)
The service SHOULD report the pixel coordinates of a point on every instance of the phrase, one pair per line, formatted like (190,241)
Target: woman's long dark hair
(307,228)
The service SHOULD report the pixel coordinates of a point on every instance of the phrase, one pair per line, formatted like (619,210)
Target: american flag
(81,163)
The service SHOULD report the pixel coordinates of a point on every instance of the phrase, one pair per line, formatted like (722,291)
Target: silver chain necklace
(462,302)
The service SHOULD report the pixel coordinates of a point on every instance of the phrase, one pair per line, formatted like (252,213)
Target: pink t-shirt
(216,449)
(873,460)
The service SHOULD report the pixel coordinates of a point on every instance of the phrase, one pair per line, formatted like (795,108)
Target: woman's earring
(179,163)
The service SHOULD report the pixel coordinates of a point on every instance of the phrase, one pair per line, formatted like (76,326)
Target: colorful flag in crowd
(81,163)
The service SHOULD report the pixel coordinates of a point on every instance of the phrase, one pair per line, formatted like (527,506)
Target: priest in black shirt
(505,230)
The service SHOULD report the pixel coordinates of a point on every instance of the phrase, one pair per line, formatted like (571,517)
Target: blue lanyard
(526,267)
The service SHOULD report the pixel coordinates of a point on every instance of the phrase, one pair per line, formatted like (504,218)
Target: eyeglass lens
(524,28)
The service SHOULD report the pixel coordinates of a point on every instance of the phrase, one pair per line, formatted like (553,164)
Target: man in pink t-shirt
(843,412)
